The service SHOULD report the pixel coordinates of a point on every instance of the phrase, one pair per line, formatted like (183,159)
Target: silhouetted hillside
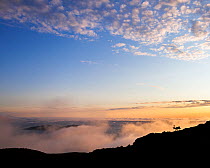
(190,145)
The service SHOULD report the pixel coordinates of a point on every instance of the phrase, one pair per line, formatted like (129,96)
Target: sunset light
(98,67)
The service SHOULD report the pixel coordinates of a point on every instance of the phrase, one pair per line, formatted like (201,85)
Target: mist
(84,138)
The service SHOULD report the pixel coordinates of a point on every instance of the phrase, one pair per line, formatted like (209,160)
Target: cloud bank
(168,104)
(177,29)
(85,138)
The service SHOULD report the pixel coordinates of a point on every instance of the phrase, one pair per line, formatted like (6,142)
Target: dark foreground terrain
(188,146)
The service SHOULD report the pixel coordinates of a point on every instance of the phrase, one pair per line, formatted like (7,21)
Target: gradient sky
(101,58)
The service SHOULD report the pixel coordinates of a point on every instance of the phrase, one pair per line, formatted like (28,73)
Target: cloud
(145,4)
(150,24)
(199,29)
(135,50)
(131,131)
(167,104)
(178,49)
(135,16)
(186,38)
(88,62)
(127,108)
(143,53)
(190,103)
(179,104)
(135,2)
(205,45)
(119,45)
(74,139)
(56,17)
(172,3)
(84,138)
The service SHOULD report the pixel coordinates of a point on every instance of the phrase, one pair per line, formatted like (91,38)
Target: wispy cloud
(143,53)
(135,50)
(178,103)
(88,62)
(127,108)
(154,25)
(119,45)
(167,104)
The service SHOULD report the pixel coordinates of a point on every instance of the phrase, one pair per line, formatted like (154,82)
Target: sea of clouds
(84,138)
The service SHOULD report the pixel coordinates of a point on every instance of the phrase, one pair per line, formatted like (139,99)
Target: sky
(105,58)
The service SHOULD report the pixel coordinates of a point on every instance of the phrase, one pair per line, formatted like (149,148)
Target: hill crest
(191,142)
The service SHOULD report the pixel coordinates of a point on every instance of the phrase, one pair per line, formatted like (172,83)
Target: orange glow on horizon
(91,112)
(191,112)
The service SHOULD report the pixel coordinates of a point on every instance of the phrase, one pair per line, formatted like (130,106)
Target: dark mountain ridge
(189,145)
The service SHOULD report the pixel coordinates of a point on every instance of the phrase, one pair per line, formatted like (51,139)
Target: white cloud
(134,47)
(186,10)
(122,7)
(187,54)
(145,4)
(200,29)
(171,3)
(135,15)
(88,62)
(119,45)
(197,3)
(187,38)
(147,23)
(56,2)
(158,49)
(143,53)
(135,2)
(147,12)
(205,45)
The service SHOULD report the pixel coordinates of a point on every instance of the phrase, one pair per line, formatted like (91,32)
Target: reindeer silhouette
(176,128)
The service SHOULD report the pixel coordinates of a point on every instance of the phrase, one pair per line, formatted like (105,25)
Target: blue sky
(103,53)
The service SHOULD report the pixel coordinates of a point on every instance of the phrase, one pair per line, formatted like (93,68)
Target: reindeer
(176,128)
